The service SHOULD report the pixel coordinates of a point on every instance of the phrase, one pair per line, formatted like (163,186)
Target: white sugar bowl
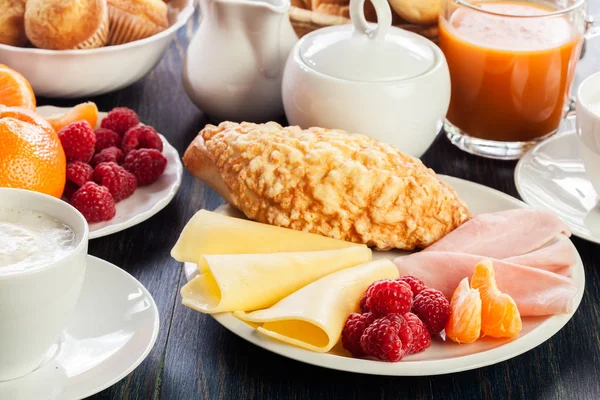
(378,80)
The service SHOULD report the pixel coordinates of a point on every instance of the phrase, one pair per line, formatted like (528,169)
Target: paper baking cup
(125,28)
(99,38)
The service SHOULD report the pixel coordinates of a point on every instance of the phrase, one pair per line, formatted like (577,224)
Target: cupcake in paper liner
(132,20)
(63,25)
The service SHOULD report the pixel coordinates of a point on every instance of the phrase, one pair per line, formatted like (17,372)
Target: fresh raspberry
(141,137)
(106,138)
(95,202)
(78,141)
(433,309)
(120,120)
(119,182)
(421,337)
(389,296)
(109,154)
(146,164)
(70,188)
(387,338)
(79,172)
(416,285)
(353,330)
(363,304)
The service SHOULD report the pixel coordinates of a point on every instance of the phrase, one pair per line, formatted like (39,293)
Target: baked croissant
(329,182)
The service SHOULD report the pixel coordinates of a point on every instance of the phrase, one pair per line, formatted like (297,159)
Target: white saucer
(147,200)
(442,357)
(552,176)
(114,328)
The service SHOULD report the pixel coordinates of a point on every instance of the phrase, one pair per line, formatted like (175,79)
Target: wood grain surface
(196,358)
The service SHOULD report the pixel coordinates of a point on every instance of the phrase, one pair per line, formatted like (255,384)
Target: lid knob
(361,26)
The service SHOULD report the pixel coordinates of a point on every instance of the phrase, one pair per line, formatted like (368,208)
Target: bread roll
(423,12)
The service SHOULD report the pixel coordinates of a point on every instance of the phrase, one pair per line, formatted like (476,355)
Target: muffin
(12,28)
(66,24)
(135,19)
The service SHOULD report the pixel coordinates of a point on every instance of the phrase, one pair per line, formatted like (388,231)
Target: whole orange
(31,156)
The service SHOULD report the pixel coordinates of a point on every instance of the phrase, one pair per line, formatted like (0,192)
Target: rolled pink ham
(559,256)
(503,234)
(536,291)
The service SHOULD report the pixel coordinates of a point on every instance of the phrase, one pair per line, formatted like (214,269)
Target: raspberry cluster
(398,318)
(107,165)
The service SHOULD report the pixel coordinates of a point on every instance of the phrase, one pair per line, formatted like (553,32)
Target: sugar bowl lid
(364,52)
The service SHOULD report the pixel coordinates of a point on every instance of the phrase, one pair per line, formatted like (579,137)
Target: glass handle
(592,27)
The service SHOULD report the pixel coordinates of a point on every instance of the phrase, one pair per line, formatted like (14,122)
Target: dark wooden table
(195,358)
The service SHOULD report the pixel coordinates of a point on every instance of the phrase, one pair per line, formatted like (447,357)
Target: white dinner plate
(552,176)
(112,331)
(442,357)
(147,200)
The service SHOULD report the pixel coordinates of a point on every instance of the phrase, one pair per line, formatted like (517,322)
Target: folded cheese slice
(231,282)
(314,316)
(211,233)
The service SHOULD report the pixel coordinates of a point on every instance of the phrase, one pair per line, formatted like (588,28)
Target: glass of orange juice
(511,64)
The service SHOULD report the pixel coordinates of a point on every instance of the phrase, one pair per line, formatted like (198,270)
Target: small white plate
(112,331)
(147,200)
(552,176)
(442,357)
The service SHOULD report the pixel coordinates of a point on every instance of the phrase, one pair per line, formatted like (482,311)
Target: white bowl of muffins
(86,48)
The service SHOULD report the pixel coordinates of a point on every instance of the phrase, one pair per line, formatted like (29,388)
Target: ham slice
(503,234)
(536,291)
(559,256)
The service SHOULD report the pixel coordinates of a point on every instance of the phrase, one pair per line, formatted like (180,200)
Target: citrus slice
(81,112)
(464,324)
(31,153)
(500,317)
(15,90)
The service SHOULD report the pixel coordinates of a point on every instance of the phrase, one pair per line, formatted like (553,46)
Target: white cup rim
(83,237)
(582,100)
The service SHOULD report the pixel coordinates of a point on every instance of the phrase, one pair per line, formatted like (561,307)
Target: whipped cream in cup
(43,252)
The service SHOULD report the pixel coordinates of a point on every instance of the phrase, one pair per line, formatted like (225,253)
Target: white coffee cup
(588,127)
(36,303)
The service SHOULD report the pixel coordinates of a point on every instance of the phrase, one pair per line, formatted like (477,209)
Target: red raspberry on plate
(353,330)
(421,337)
(119,182)
(95,202)
(141,137)
(363,303)
(78,141)
(79,172)
(433,309)
(146,164)
(387,338)
(416,285)
(389,296)
(120,120)
(106,138)
(109,154)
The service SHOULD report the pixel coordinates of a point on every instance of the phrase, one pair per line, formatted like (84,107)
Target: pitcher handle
(384,18)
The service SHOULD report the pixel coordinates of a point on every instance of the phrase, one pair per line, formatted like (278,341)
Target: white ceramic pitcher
(234,63)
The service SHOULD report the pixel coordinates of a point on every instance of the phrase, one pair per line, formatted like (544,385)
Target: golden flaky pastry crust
(12,26)
(341,185)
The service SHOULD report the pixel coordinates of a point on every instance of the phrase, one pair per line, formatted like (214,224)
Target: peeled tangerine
(81,112)
(464,324)
(500,316)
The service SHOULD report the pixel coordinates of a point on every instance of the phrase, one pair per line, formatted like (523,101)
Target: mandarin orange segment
(81,112)
(15,90)
(31,153)
(464,324)
(500,317)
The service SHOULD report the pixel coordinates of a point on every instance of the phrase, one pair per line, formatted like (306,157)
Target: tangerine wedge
(81,112)
(15,90)
(464,324)
(500,317)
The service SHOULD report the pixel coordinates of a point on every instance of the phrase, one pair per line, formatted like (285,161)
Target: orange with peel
(81,112)
(15,90)
(31,153)
(464,323)
(500,317)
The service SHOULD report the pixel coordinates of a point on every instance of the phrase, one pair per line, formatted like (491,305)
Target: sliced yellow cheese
(230,282)
(211,233)
(314,316)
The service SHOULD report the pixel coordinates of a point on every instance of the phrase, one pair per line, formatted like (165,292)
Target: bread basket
(305,21)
